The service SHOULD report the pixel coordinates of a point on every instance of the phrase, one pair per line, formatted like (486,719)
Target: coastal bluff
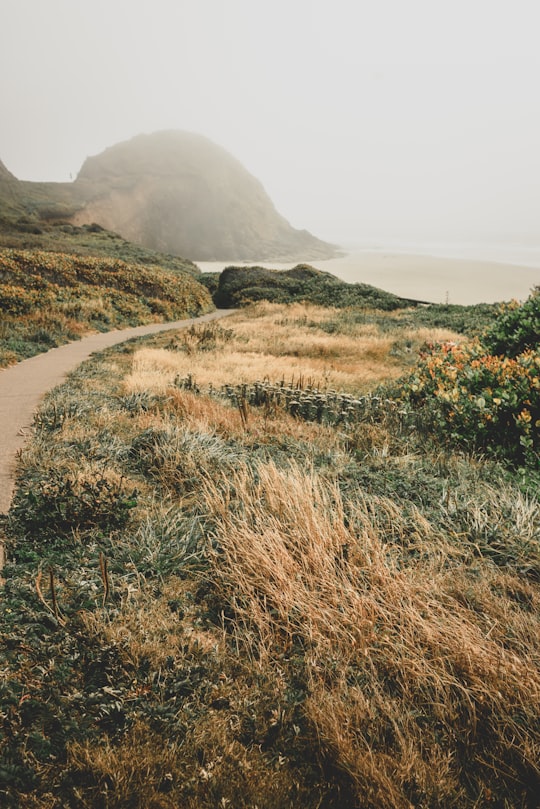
(174,192)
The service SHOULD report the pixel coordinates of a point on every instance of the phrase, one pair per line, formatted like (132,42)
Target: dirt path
(22,386)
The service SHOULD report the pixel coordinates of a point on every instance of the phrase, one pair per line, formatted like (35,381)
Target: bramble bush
(485,394)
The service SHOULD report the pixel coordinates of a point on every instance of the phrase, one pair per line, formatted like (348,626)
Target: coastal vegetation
(238,286)
(268,563)
(485,394)
(49,298)
(30,232)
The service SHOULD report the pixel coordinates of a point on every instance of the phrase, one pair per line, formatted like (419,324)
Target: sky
(367,121)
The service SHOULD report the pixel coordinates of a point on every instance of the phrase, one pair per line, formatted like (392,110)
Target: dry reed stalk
(103,568)
(54,610)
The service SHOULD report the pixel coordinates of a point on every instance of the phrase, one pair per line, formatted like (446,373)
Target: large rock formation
(180,193)
(173,192)
(5,175)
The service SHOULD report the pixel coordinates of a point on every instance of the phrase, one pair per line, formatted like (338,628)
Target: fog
(368,122)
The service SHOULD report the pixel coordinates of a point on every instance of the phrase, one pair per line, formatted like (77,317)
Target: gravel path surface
(22,386)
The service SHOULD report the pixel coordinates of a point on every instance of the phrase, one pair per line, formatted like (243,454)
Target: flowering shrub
(482,400)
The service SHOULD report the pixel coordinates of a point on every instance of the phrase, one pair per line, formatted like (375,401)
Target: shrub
(486,394)
(517,327)
(240,286)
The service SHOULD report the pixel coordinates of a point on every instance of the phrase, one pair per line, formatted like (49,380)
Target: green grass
(211,601)
(469,320)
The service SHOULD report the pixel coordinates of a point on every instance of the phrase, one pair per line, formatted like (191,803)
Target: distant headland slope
(172,191)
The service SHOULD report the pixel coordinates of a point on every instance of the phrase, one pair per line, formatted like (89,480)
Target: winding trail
(22,386)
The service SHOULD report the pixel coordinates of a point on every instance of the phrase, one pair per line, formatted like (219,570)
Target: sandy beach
(424,277)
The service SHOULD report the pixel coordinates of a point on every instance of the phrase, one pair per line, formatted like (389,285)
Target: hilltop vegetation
(32,233)
(49,298)
(239,286)
(246,571)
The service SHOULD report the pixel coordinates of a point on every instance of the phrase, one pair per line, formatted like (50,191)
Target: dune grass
(210,604)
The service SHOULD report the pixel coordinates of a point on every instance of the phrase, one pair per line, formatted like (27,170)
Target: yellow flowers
(25,272)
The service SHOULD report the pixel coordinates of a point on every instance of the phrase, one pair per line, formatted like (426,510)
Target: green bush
(516,329)
(485,394)
(240,286)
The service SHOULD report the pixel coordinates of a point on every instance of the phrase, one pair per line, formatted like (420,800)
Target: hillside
(287,560)
(172,192)
(49,298)
(27,233)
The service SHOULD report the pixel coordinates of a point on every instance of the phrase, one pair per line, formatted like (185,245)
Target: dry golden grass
(278,632)
(206,414)
(396,659)
(115,769)
(278,344)
(163,775)
(146,629)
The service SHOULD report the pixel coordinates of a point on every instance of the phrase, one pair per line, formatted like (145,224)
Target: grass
(50,298)
(26,233)
(239,606)
(286,342)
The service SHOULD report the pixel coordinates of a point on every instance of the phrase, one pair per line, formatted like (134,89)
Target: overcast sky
(365,120)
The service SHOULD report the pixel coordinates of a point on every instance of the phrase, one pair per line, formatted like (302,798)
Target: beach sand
(423,277)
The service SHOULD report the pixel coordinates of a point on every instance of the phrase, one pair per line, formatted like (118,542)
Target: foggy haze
(367,122)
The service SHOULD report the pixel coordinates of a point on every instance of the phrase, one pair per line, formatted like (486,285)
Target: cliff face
(5,175)
(179,193)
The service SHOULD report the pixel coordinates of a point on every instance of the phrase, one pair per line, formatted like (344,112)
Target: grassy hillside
(49,298)
(29,232)
(34,216)
(246,571)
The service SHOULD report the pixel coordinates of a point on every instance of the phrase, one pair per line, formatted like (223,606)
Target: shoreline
(420,276)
